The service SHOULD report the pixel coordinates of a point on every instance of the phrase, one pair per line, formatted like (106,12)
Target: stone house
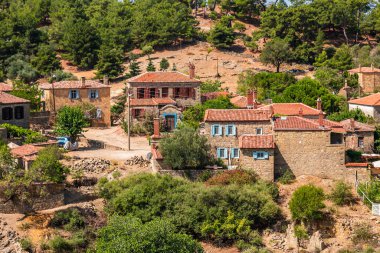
(359,136)
(369,78)
(160,89)
(242,138)
(14,110)
(370,105)
(74,93)
(25,155)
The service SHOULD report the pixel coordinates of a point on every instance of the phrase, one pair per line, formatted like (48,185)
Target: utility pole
(129,115)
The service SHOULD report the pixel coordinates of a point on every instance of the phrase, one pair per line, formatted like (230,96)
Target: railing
(375,207)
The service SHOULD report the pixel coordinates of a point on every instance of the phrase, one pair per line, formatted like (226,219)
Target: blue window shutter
(97,93)
(70,94)
(220,130)
(212,130)
(266,155)
(218,153)
(225,153)
(78,94)
(254,155)
(237,152)
(233,130)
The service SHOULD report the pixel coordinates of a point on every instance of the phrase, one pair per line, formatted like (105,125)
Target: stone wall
(39,120)
(309,153)
(62,99)
(353,138)
(263,168)
(367,110)
(370,82)
(362,172)
(191,174)
(40,196)
(24,122)
(3,134)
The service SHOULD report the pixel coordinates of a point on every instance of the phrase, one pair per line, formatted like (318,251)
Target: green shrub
(70,219)
(362,233)
(300,232)
(287,178)
(28,136)
(341,194)
(194,208)
(26,244)
(205,175)
(306,203)
(60,245)
(129,234)
(233,177)
(354,156)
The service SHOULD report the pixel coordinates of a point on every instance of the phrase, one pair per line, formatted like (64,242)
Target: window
(165,92)
(152,92)
(140,92)
(230,130)
(336,138)
(99,113)
(361,142)
(176,92)
(93,94)
(234,153)
(260,155)
(259,131)
(221,152)
(19,112)
(7,113)
(74,94)
(216,130)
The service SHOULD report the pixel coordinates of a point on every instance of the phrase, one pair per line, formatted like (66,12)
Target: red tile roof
(358,126)
(73,85)
(151,101)
(292,109)
(6,98)
(256,141)
(364,70)
(239,101)
(216,94)
(234,115)
(6,87)
(372,100)
(298,123)
(356,164)
(162,77)
(25,150)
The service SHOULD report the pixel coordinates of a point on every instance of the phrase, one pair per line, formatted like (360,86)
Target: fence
(375,207)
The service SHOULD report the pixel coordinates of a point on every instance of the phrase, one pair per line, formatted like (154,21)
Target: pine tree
(164,64)
(150,67)
(134,69)
(110,61)
(45,61)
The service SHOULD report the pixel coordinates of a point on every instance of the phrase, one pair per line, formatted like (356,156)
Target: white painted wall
(368,110)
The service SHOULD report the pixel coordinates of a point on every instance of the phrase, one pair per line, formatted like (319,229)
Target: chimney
(321,117)
(191,70)
(300,112)
(360,68)
(105,80)
(83,79)
(254,99)
(352,124)
(319,104)
(271,110)
(250,99)
(156,127)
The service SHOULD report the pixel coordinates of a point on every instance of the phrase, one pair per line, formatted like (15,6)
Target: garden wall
(35,197)
(190,174)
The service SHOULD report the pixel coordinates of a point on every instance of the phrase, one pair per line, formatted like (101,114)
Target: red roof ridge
(6,98)
(373,99)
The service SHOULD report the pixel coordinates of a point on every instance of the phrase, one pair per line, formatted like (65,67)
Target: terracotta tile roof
(6,87)
(151,101)
(256,141)
(356,164)
(298,123)
(6,98)
(364,70)
(216,94)
(234,115)
(292,109)
(358,126)
(162,77)
(25,150)
(239,101)
(73,85)
(372,100)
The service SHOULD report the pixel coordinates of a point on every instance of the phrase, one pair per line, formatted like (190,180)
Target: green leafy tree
(330,78)
(276,52)
(185,149)
(355,114)
(60,75)
(110,61)
(321,60)
(70,121)
(46,61)
(129,234)
(30,92)
(342,59)
(134,69)
(211,86)
(47,167)
(7,164)
(164,64)
(306,203)
(341,194)
(150,67)
(222,34)
(19,69)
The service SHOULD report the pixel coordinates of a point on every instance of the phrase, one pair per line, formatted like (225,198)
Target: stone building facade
(359,136)
(14,110)
(155,89)
(75,93)
(369,78)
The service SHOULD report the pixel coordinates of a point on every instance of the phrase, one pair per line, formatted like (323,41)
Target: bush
(70,219)
(239,177)
(28,136)
(60,245)
(306,203)
(362,233)
(354,156)
(300,232)
(192,207)
(287,178)
(129,234)
(341,194)
(26,244)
